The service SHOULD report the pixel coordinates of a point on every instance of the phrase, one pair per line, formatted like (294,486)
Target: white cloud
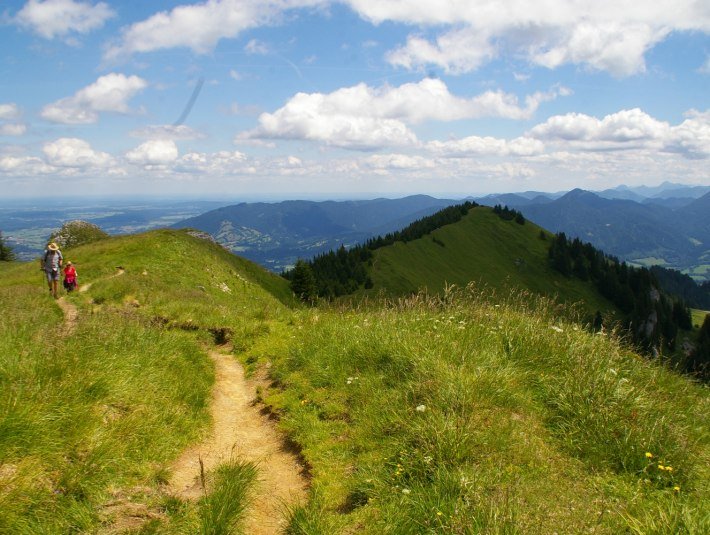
(73,152)
(215,164)
(108,93)
(154,152)
(24,166)
(628,129)
(487,146)
(362,117)
(456,52)
(256,47)
(604,35)
(9,111)
(13,129)
(58,18)
(166,131)
(692,137)
(199,27)
(613,47)
(705,67)
(399,161)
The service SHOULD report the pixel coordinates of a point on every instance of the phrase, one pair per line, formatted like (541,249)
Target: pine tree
(6,252)
(699,360)
(303,282)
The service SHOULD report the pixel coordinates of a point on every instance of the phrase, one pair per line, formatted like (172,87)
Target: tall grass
(107,408)
(223,508)
(455,414)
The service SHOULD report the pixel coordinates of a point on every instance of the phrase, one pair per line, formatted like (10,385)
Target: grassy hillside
(95,416)
(456,413)
(481,248)
(462,415)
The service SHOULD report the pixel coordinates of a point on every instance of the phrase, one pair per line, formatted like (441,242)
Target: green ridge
(483,249)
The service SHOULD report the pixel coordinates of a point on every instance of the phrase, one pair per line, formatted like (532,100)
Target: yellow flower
(661,467)
(676,488)
(669,468)
(439,513)
(649,455)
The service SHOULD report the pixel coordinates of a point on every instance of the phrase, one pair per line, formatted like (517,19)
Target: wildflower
(556,329)
(406,491)
(439,513)
(669,468)
(676,488)
(649,455)
(421,408)
(661,467)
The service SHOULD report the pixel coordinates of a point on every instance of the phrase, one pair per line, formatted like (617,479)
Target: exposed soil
(241,431)
(71,313)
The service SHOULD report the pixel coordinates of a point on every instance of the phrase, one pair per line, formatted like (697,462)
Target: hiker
(51,263)
(69,277)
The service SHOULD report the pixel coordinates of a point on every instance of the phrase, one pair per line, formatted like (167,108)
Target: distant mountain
(277,234)
(645,233)
(666,190)
(672,202)
(513,200)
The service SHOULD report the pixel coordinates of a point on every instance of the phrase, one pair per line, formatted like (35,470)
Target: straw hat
(68,262)
(53,247)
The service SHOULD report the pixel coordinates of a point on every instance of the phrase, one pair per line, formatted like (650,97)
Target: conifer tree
(6,252)
(303,283)
(699,360)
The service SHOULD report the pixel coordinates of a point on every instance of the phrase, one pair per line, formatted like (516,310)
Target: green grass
(459,415)
(698,317)
(454,413)
(110,406)
(484,249)
(222,510)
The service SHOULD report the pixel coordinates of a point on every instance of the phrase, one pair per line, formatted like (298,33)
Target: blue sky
(351,98)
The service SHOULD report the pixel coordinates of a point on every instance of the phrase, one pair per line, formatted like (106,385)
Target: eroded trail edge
(240,431)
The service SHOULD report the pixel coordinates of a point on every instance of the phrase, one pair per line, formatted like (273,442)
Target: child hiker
(69,277)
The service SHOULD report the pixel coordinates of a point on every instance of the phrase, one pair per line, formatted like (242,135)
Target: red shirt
(70,274)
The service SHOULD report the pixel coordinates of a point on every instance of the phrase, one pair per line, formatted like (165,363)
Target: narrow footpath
(242,432)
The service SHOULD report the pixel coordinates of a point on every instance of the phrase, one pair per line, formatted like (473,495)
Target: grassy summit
(483,248)
(458,413)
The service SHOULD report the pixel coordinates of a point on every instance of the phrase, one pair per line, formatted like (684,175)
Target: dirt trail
(241,431)
(71,313)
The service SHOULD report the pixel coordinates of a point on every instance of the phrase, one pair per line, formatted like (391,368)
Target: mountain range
(275,235)
(663,230)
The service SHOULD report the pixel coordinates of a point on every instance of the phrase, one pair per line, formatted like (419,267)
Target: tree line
(344,271)
(651,317)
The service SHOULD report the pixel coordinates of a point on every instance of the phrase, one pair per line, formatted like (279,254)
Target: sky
(276,99)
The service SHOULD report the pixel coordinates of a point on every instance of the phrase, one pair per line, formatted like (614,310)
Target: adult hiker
(51,263)
(70,277)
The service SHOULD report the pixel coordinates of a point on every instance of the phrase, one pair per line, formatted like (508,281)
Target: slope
(467,415)
(100,403)
(481,248)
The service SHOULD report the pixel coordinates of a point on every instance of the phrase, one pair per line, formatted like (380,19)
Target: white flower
(556,329)
(421,408)
(406,491)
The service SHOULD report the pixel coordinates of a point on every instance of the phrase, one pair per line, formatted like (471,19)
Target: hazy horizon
(266,99)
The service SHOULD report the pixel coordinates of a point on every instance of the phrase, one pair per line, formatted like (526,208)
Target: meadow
(464,412)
